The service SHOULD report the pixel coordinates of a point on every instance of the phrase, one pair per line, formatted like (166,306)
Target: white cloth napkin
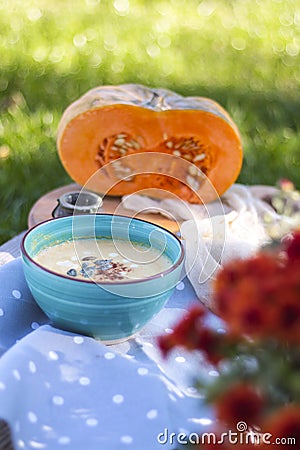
(230,227)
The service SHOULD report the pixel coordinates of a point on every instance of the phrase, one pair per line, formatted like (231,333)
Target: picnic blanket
(63,390)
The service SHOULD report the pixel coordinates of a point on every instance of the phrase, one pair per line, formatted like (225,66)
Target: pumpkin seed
(72,273)
(119,142)
(192,183)
(199,157)
(87,271)
(193,170)
(201,174)
(176,153)
(104,264)
(136,145)
(169,144)
(100,261)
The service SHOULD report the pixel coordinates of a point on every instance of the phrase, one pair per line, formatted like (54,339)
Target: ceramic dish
(109,311)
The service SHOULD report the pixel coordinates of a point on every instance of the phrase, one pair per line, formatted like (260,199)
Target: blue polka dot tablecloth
(60,390)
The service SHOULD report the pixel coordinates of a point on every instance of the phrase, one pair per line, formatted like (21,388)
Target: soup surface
(103,259)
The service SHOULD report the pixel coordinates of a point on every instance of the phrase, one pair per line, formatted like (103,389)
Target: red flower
(239,296)
(185,333)
(260,296)
(286,185)
(284,426)
(193,334)
(241,402)
(287,319)
(293,248)
(211,344)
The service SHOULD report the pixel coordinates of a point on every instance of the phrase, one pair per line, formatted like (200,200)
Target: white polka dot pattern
(109,355)
(73,386)
(180,286)
(180,359)
(17,294)
(91,422)
(192,390)
(64,440)
(84,381)
(78,340)
(58,400)
(118,398)
(205,421)
(152,414)
(53,355)
(142,371)
(126,439)
(32,417)
(32,367)
(169,330)
(16,374)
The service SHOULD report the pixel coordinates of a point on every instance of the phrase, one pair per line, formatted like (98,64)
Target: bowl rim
(158,275)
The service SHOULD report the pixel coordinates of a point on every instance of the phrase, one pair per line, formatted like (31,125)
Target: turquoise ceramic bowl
(108,311)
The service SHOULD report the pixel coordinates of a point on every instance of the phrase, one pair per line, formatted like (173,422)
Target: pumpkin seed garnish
(72,273)
(100,269)
(88,258)
(87,271)
(103,264)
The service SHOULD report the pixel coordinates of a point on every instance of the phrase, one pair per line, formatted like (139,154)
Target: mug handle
(56,208)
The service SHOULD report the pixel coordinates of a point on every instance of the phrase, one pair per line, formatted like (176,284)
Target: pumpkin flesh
(97,136)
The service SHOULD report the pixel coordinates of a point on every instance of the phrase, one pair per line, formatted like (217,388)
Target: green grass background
(245,54)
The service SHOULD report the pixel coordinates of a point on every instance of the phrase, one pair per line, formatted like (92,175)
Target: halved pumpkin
(195,147)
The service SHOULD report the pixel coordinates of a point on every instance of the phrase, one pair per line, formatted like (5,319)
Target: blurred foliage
(242,53)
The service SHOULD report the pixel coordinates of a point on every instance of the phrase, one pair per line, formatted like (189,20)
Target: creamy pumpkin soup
(103,259)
